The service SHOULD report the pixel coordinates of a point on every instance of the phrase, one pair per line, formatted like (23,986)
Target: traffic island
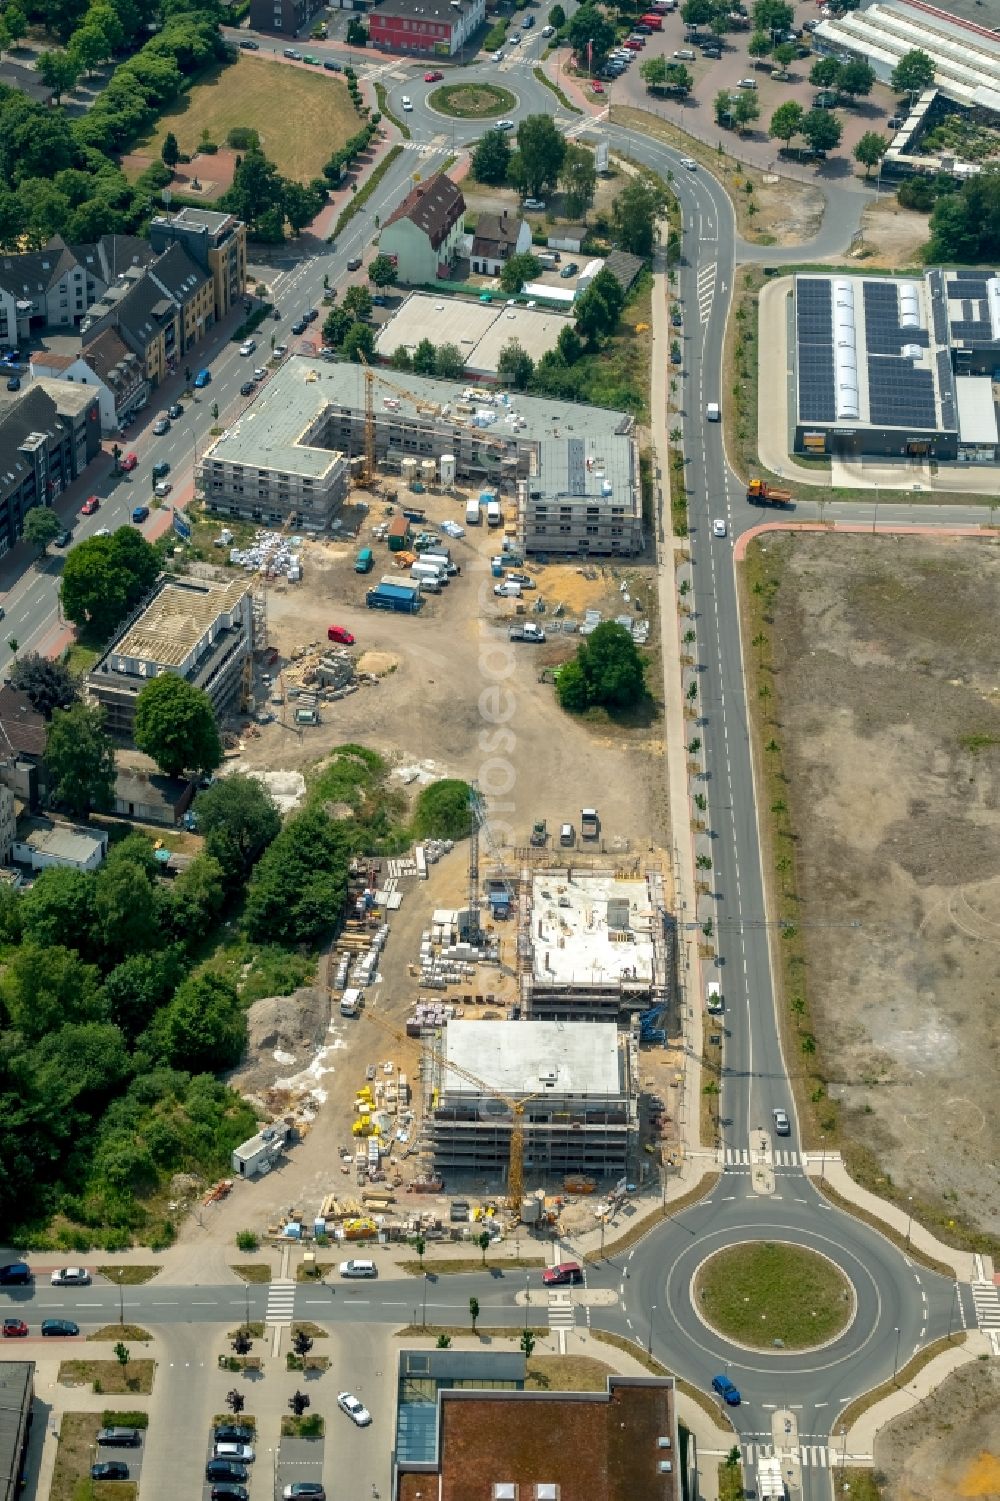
(471,101)
(767,1294)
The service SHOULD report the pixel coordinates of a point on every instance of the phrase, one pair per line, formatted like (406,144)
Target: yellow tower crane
(515,1171)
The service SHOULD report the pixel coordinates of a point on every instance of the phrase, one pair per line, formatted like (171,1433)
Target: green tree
(203,1029)
(518,270)
(571,687)
(515,366)
(491,158)
(965,224)
(80,760)
(127,909)
(759,45)
(358,302)
(634,214)
(569,345)
(41,526)
(784,55)
(442,811)
(170,152)
(123,1355)
(613,667)
(48,682)
(542,149)
(449,361)
(746,110)
(473,1312)
(696,12)
(772,15)
(257,196)
(484,1241)
(140,985)
(821,129)
(59,71)
(336,325)
(786,120)
(679,79)
(42,989)
(60,901)
(653,72)
(557,17)
(825,73)
(175,724)
(297,890)
(870,150)
(590,25)
(357,33)
(424,358)
(857,79)
(15,23)
(359,339)
(578,179)
(913,73)
(527,1343)
(301,202)
(722,106)
(382,272)
(104,578)
(238,819)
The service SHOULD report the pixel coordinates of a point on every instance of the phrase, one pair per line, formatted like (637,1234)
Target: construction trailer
(570,1088)
(262,1152)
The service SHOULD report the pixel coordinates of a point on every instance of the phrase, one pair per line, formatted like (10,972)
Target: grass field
(108,1376)
(301,117)
(764,1291)
(128,1275)
(471,101)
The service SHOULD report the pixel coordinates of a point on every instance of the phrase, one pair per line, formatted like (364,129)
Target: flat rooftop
(178,620)
(342,384)
(274,430)
(480,329)
(522,1058)
(580,471)
(588,928)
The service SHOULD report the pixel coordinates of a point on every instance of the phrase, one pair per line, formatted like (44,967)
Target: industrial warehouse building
(898,367)
(308,422)
(577,1083)
(202,631)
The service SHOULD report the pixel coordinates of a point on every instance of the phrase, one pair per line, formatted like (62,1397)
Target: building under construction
(568,1088)
(596,945)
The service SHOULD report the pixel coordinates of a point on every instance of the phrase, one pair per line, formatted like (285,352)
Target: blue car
(726,1390)
(139,514)
(202,378)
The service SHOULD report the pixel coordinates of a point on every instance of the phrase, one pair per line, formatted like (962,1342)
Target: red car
(566,1271)
(340,633)
(90,505)
(14,1328)
(129,462)
(434,77)
(597,87)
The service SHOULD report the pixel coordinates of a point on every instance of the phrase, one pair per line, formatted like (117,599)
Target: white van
(494,516)
(714,1003)
(473,513)
(713,412)
(358,1269)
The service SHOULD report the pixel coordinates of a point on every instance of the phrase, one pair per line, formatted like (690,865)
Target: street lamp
(121,1298)
(822,1165)
(527,1298)
(649,1342)
(895,1363)
(423,1311)
(246,1298)
(909,1222)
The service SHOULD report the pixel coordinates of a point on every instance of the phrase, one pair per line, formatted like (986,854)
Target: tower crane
(515,1169)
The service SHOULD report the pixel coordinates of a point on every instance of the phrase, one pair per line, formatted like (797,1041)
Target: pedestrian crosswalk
(280,1301)
(986,1301)
(562,1315)
(809,1456)
(740,1157)
(706,291)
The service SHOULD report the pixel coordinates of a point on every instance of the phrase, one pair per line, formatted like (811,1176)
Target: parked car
(357,1267)
(227,1491)
(13,383)
(726,1390)
(248,346)
(570,269)
(249,45)
(14,1329)
(332,67)
(63,539)
(225,1469)
(311,314)
(233,1433)
(308,1490)
(597,87)
(60,1327)
(119,1437)
(160,490)
(498,57)
(312,61)
(161,426)
(432,77)
(71,1276)
(299,326)
(290,52)
(90,505)
(515,39)
(111,1469)
(202,378)
(748,83)
(355,1410)
(548,31)
(160,469)
(129,462)
(535,204)
(782,1125)
(340,633)
(260,373)
(16,1274)
(354,264)
(228,1450)
(141,513)
(176,410)
(248,387)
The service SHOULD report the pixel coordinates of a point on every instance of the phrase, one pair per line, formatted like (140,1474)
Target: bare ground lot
(947,1448)
(884,709)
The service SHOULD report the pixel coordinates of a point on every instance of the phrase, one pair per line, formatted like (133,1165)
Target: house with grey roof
(496,239)
(107,364)
(54,287)
(48,435)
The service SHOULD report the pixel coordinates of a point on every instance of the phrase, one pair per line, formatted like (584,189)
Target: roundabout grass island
(766,1293)
(471,101)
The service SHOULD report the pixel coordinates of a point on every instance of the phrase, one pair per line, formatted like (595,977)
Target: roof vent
(545,1490)
(505,1490)
(666,1467)
(662,1442)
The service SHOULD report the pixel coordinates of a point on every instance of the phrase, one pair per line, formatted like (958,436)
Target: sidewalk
(862,1435)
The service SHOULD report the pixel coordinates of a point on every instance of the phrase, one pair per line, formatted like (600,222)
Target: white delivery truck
(443,560)
(473,513)
(494,515)
(425,570)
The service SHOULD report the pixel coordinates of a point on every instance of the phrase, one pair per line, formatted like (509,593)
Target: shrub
(242,138)
(246,1240)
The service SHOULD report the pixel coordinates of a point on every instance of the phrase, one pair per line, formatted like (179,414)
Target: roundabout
(773,1295)
(472,101)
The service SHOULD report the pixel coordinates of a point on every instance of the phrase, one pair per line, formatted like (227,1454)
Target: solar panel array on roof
(946,390)
(898,394)
(883,333)
(814,326)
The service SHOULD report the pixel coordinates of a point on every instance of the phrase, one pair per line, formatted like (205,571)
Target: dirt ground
(889,718)
(948,1448)
(894,236)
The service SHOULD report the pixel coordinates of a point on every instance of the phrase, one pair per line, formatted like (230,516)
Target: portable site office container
(473,513)
(494,516)
(398,534)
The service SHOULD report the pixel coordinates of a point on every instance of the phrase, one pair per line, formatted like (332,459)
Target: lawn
(117,1332)
(763,1291)
(129,1275)
(301,117)
(71,1474)
(253,1271)
(471,101)
(109,1376)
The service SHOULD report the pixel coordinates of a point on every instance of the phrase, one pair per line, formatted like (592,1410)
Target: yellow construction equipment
(515,1171)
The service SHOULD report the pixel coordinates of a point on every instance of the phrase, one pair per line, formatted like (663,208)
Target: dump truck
(768,495)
